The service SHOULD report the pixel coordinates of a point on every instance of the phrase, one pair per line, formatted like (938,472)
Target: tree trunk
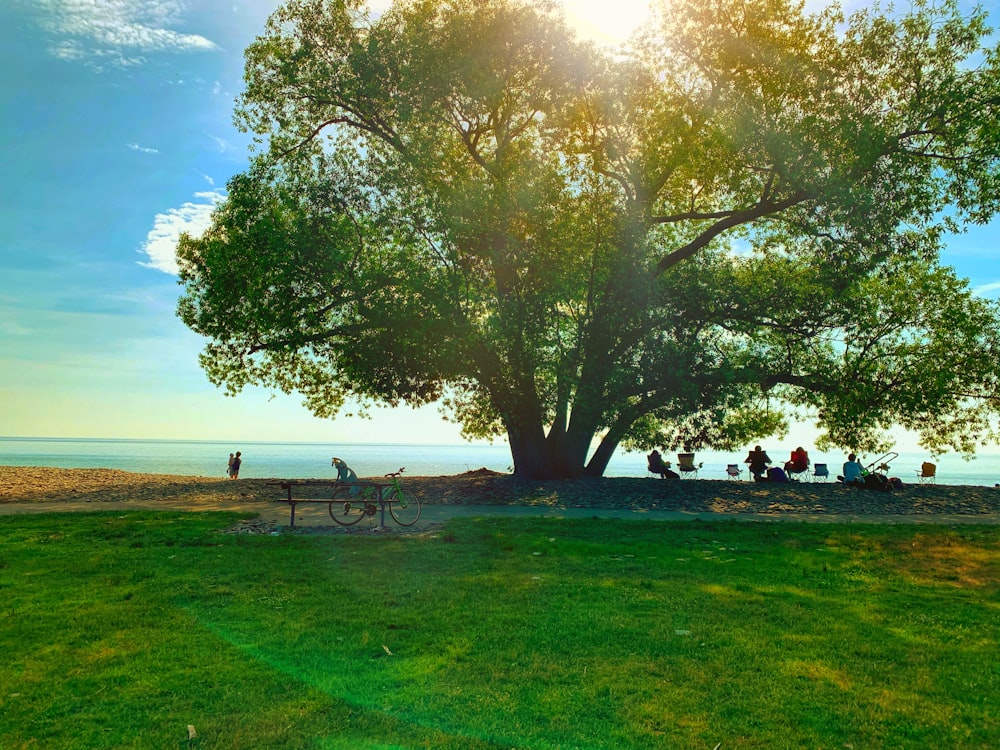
(526,434)
(598,463)
(529,452)
(560,456)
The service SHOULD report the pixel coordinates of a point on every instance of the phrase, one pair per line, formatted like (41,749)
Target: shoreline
(21,485)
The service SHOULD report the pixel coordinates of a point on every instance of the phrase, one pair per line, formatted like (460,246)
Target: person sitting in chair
(657,466)
(798,462)
(758,460)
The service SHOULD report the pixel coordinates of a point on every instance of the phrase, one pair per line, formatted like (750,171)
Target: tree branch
(733,219)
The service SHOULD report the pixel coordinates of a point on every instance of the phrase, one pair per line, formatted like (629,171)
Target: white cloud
(115,32)
(143,149)
(161,242)
(222,144)
(987,290)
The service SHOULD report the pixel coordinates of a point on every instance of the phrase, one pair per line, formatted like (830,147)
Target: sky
(116,134)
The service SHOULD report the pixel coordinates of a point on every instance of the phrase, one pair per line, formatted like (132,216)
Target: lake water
(312,460)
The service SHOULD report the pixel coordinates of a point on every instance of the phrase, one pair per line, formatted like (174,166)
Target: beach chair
(685,462)
(927,473)
(797,466)
(663,470)
(656,464)
(797,473)
(820,473)
(733,471)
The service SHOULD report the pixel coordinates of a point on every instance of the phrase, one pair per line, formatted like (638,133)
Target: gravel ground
(20,484)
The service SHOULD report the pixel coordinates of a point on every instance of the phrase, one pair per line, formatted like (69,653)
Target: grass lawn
(120,631)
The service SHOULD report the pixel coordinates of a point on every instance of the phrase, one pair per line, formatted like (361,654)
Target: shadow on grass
(121,630)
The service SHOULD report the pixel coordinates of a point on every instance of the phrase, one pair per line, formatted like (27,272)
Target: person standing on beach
(234,467)
(229,469)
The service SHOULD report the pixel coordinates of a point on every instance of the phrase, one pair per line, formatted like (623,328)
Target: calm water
(312,460)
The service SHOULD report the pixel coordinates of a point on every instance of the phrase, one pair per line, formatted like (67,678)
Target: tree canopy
(732,219)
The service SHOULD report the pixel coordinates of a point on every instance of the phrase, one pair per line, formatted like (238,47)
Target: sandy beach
(51,487)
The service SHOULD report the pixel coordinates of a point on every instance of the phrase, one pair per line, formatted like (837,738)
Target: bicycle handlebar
(396,473)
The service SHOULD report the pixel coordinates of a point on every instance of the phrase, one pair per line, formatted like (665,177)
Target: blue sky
(116,134)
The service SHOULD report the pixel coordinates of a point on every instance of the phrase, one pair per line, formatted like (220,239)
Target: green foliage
(734,219)
(121,630)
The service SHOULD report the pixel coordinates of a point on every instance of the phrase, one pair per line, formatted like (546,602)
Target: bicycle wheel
(404,507)
(345,512)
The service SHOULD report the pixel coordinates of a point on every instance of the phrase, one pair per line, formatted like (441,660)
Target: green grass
(119,631)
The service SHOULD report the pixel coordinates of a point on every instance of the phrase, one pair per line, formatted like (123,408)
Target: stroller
(879,479)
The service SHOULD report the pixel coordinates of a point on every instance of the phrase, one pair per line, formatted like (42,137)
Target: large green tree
(733,219)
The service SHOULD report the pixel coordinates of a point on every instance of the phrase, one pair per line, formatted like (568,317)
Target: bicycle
(404,507)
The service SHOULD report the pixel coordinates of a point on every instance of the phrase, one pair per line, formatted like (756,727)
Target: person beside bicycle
(345,473)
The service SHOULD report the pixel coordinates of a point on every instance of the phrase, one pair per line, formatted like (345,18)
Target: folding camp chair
(733,471)
(927,473)
(797,476)
(797,466)
(685,462)
(820,473)
(656,464)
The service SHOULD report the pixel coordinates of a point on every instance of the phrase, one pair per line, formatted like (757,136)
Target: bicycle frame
(404,507)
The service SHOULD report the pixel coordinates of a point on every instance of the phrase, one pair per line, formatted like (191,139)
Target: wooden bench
(340,492)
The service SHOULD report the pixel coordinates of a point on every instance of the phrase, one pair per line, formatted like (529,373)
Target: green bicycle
(404,507)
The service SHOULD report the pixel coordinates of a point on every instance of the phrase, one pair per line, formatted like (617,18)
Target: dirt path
(274,516)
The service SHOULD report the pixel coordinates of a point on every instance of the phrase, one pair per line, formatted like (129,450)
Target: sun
(606,21)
